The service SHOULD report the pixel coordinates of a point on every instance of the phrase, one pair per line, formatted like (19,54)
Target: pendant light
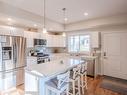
(44,17)
(65,19)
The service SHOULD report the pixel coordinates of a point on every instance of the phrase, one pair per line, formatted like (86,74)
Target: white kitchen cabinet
(4,31)
(59,41)
(52,40)
(55,41)
(29,38)
(17,32)
(31,84)
(95,40)
(36,35)
(62,41)
(49,39)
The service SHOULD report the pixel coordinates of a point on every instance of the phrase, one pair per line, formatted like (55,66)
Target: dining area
(64,76)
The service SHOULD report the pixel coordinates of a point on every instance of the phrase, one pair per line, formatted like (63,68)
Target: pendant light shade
(64,35)
(44,30)
(44,17)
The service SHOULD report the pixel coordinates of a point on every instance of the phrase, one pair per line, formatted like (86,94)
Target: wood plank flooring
(93,88)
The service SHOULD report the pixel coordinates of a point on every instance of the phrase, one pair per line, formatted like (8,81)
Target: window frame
(86,52)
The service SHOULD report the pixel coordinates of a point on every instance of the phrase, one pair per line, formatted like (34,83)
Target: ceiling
(75,8)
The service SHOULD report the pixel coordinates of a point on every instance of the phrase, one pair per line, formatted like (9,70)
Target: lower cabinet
(31,84)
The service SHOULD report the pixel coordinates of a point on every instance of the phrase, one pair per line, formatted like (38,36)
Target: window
(79,43)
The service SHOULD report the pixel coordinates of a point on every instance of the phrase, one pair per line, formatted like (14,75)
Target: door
(115,54)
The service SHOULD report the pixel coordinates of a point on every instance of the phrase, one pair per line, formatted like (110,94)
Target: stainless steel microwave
(40,42)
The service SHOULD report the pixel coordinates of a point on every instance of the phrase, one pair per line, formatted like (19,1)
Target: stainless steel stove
(42,58)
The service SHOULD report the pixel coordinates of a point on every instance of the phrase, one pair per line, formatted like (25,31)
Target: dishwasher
(90,67)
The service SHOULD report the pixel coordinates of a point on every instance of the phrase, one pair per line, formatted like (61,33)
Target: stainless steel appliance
(12,53)
(12,61)
(42,58)
(40,42)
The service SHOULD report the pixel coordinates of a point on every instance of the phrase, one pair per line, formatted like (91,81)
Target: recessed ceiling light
(35,25)
(65,19)
(9,19)
(86,14)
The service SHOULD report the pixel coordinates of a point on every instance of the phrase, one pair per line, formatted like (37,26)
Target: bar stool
(74,78)
(58,85)
(83,74)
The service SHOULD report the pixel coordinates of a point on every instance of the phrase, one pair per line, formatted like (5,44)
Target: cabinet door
(95,39)
(36,35)
(17,32)
(59,41)
(62,41)
(4,31)
(50,42)
(55,40)
(29,38)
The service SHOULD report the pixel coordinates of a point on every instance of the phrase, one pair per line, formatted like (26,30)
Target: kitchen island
(37,74)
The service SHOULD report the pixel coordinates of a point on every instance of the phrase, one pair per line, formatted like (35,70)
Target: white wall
(98,22)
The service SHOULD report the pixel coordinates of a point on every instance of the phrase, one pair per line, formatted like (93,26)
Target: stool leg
(82,84)
(86,81)
(73,85)
(79,86)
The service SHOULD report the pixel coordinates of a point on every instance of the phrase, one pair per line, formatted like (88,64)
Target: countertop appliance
(12,53)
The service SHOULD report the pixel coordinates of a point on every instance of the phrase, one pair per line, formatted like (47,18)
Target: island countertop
(53,67)
(46,71)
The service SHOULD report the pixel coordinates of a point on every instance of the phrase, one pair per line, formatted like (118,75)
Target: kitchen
(37,44)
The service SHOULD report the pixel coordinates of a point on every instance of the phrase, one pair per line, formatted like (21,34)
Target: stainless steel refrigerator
(12,60)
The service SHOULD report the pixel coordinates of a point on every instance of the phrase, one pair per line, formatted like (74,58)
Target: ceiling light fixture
(35,25)
(86,14)
(44,18)
(65,19)
(9,19)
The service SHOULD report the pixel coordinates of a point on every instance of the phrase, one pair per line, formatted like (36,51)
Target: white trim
(85,52)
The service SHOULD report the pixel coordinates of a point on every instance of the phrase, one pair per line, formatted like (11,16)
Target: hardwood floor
(93,88)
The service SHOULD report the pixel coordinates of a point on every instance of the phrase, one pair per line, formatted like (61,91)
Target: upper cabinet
(56,41)
(52,40)
(17,32)
(6,30)
(29,38)
(95,40)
